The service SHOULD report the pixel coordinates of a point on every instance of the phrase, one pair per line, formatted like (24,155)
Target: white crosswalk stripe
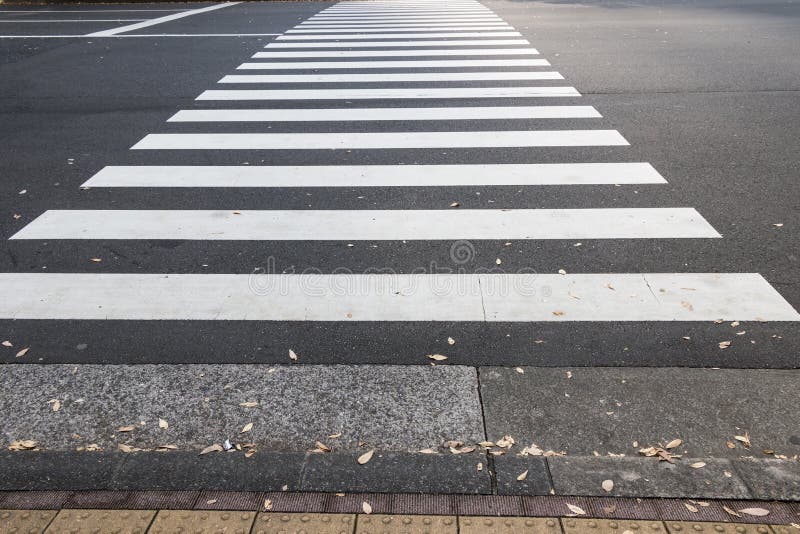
(358,36)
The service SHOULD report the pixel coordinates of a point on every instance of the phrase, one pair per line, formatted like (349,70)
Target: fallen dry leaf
(22,445)
(577,510)
(697,465)
(522,476)
(427,451)
(758,512)
(745,440)
(267,504)
(7,344)
(335,436)
(23,352)
(674,443)
(366,457)
(246,428)
(691,508)
(126,428)
(437,357)
(480,466)
(163,424)
(505,442)
(55,404)
(249,404)
(125,448)
(211,501)
(292,355)
(562,272)
(558,313)
(498,261)
(732,512)
(455,205)
(607,485)
(451,341)
(777,225)
(520,370)
(610,510)
(322,447)
(96,260)
(216,447)
(724,344)
(366,507)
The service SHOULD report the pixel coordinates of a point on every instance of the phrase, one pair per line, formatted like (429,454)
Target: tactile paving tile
(611,526)
(406,524)
(508,525)
(25,521)
(202,522)
(101,522)
(785,529)
(276,522)
(692,527)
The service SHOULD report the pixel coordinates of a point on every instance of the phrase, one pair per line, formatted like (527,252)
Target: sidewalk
(164,512)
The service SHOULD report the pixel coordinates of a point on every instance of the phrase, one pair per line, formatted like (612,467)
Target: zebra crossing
(352,45)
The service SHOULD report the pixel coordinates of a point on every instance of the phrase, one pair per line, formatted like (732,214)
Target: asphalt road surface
(506,183)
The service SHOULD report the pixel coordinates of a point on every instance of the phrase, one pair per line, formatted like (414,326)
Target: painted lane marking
(391,64)
(401,53)
(391,44)
(391,77)
(330,37)
(403,93)
(387,297)
(160,20)
(535,174)
(366,225)
(384,114)
(407,28)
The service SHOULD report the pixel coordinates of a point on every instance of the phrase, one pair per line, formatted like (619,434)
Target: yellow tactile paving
(25,521)
(101,522)
(202,522)
(786,529)
(508,525)
(285,523)
(605,526)
(406,524)
(696,527)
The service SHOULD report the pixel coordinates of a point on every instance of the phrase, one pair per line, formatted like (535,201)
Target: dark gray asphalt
(708,92)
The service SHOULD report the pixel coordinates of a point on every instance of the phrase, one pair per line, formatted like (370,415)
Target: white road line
(440,63)
(160,20)
(142,35)
(366,225)
(392,77)
(401,53)
(393,297)
(402,27)
(384,114)
(392,44)
(402,93)
(85,10)
(379,140)
(459,28)
(385,20)
(42,21)
(331,37)
(536,174)
(436,21)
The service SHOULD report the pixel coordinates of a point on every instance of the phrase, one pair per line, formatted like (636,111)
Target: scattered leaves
(427,451)
(216,447)
(607,485)
(520,370)
(246,428)
(577,510)
(732,512)
(366,457)
(758,512)
(249,404)
(211,501)
(697,465)
(673,444)
(162,423)
(292,355)
(22,445)
(55,404)
(267,504)
(522,476)
(558,313)
(691,508)
(23,352)
(96,260)
(455,205)
(505,443)
(724,344)
(126,428)
(7,344)
(498,261)
(744,440)
(366,507)
(562,272)
(321,447)
(437,357)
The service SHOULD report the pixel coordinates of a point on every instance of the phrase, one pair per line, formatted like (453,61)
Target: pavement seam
(489,458)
